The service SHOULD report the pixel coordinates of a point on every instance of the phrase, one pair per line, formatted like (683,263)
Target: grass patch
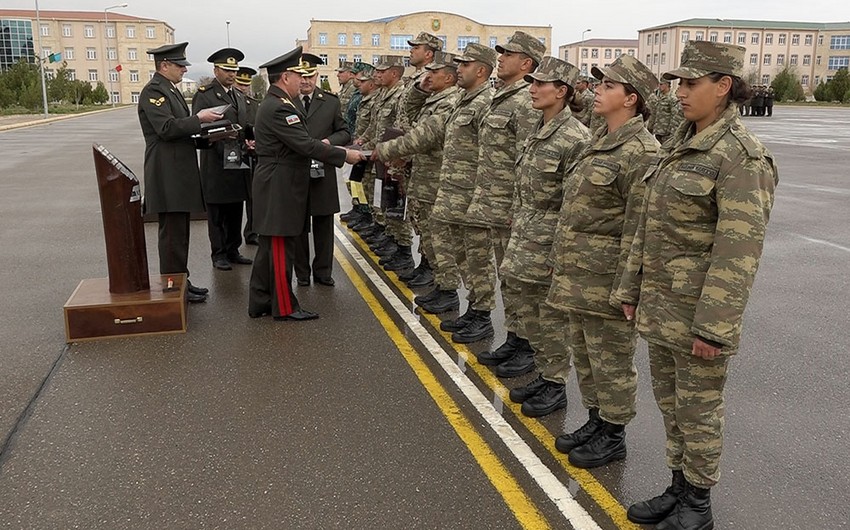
(54,109)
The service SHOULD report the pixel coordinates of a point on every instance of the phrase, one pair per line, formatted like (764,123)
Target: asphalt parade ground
(370,417)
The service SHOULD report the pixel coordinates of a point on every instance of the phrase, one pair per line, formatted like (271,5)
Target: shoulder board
(202,88)
(331,94)
(751,145)
(286,100)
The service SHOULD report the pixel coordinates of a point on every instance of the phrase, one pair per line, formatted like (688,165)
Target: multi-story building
(94,45)
(814,51)
(344,40)
(586,54)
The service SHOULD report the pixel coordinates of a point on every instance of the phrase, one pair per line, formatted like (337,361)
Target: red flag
(118,68)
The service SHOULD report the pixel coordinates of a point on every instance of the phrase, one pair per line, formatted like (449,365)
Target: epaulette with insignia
(328,94)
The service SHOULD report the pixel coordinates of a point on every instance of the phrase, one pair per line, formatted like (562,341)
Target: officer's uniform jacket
(222,185)
(172,181)
(282,179)
(460,155)
(324,120)
(700,236)
(603,199)
(548,152)
(424,142)
(508,123)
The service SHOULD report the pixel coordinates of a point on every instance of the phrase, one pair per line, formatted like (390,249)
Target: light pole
(108,60)
(41,60)
(581,44)
(228,32)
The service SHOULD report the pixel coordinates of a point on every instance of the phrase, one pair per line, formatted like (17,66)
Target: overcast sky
(264,29)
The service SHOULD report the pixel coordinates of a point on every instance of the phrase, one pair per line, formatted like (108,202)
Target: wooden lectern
(129,302)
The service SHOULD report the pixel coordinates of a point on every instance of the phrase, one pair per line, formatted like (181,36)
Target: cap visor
(684,73)
(538,77)
(180,62)
(600,73)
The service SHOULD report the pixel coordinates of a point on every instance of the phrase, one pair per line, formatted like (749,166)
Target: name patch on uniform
(613,166)
(292,120)
(699,169)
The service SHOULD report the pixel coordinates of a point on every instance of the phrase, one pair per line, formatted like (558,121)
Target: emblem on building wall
(435,24)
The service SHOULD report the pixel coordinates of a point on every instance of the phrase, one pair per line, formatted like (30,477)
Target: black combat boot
(522,393)
(457,324)
(502,353)
(551,397)
(444,302)
(350,215)
(607,445)
(693,512)
(387,247)
(361,223)
(656,509)
(401,260)
(409,275)
(479,327)
(427,297)
(373,228)
(378,238)
(567,442)
(521,363)
(423,279)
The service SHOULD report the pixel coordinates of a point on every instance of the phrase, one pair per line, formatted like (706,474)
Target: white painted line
(542,475)
(825,189)
(822,242)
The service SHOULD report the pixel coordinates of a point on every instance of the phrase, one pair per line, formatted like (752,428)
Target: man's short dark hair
(274,78)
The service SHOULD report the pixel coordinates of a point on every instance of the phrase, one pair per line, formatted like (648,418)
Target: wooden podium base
(92,312)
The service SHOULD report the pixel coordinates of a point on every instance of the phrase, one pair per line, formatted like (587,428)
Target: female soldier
(692,265)
(602,204)
(553,146)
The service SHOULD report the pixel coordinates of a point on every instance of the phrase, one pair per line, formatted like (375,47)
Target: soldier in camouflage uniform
(583,102)
(667,115)
(691,268)
(368,90)
(603,195)
(553,146)
(508,122)
(345,75)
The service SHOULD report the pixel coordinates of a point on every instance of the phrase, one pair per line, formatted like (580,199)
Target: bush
(822,93)
(99,95)
(787,87)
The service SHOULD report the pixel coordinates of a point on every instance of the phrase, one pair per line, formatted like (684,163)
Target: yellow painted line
(585,479)
(516,499)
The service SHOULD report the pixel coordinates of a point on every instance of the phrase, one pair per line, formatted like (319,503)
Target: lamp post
(41,60)
(228,32)
(581,44)
(108,60)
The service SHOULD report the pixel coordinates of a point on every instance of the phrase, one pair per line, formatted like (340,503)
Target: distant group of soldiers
(761,102)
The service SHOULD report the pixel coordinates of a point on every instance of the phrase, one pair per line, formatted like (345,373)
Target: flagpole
(41,61)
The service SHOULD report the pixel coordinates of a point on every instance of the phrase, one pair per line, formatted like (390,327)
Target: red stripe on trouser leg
(279,263)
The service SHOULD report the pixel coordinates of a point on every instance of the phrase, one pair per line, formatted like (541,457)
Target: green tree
(99,95)
(59,88)
(840,85)
(822,92)
(326,85)
(259,87)
(80,92)
(20,80)
(787,87)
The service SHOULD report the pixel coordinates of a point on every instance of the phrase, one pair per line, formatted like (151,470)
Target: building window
(820,42)
(150,57)
(839,42)
(493,42)
(445,40)
(110,31)
(837,63)
(89,32)
(343,57)
(66,30)
(92,75)
(727,37)
(324,58)
(72,75)
(742,38)
(768,38)
(542,40)
(323,39)
(584,53)
(655,58)
(807,60)
(686,36)
(111,54)
(754,39)
(649,39)
(632,52)
(594,52)
(150,74)
(793,61)
(817,60)
(648,59)
(69,54)
(767,59)
(808,40)
(375,60)
(132,54)
(795,39)
(116,97)
(134,97)
(358,58)
(663,58)
(406,61)
(399,42)
(134,76)
(91,54)
(463,40)
(131,32)
(664,38)
(607,53)
(356,38)
(322,79)
(150,32)
(50,74)
(618,52)
(342,39)
(804,80)
(376,39)
(699,35)
(45,30)
(657,38)
(780,60)
(765,79)
(113,76)
(712,37)
(754,59)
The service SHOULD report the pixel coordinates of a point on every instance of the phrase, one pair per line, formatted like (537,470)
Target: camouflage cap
(554,69)
(388,61)
(345,66)
(441,60)
(629,71)
(432,41)
(522,42)
(366,72)
(701,58)
(478,52)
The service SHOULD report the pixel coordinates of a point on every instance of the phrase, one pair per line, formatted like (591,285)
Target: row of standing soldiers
(761,102)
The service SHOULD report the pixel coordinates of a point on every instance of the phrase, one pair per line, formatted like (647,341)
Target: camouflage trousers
(689,393)
(481,266)
(510,288)
(401,230)
(544,328)
(419,213)
(447,241)
(603,354)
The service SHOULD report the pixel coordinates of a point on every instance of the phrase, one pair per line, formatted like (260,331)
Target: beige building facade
(365,41)
(596,52)
(93,44)
(814,51)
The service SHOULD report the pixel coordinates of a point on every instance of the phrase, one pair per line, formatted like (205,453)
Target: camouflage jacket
(507,124)
(422,143)
(385,111)
(668,115)
(698,245)
(585,99)
(548,152)
(603,199)
(596,121)
(408,110)
(364,118)
(346,92)
(460,155)
(351,112)
(651,104)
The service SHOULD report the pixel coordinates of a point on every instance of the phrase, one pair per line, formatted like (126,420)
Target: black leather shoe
(252,239)
(303,282)
(361,223)
(457,324)
(520,394)
(258,314)
(502,353)
(520,364)
(606,445)
(479,327)
(193,298)
(222,264)
(567,442)
(693,512)
(239,259)
(325,281)
(374,228)
(301,314)
(444,302)
(552,397)
(194,289)
(423,279)
(350,215)
(658,508)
